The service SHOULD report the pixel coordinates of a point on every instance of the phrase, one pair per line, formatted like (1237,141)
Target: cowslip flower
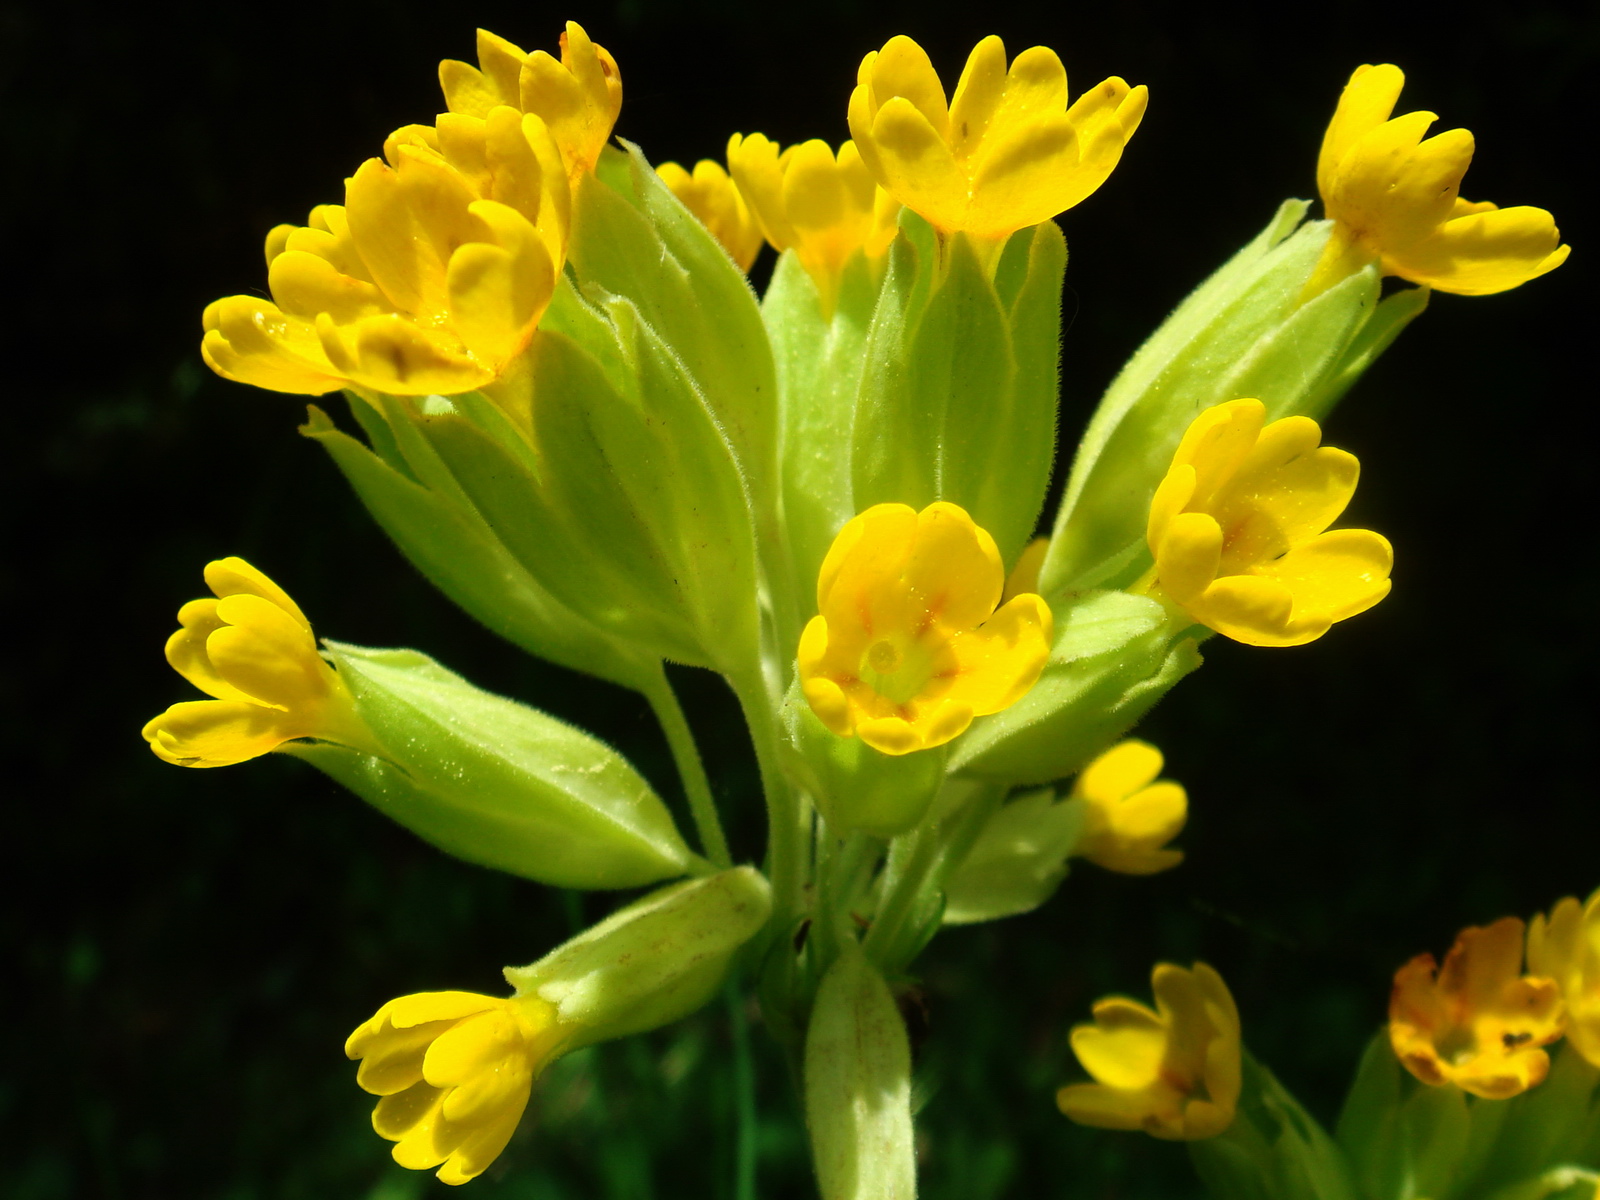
(1006,152)
(821,204)
(1566,947)
(711,196)
(1477,1021)
(908,645)
(1173,1072)
(1239,530)
(253,650)
(454,1070)
(578,98)
(1395,199)
(1129,817)
(431,278)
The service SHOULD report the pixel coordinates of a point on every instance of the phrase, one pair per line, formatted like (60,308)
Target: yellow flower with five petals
(908,646)
(710,194)
(1566,947)
(1239,530)
(1174,1071)
(1129,817)
(1004,153)
(1395,198)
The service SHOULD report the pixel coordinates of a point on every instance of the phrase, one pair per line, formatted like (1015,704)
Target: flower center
(897,668)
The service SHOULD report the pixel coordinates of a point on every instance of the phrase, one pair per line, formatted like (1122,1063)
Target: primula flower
(1005,153)
(1566,947)
(1239,530)
(824,206)
(1128,817)
(1173,1072)
(716,203)
(578,98)
(1395,198)
(253,649)
(454,1070)
(1476,1022)
(908,646)
(430,279)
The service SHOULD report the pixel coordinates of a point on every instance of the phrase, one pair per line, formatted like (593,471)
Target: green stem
(744,1091)
(696,786)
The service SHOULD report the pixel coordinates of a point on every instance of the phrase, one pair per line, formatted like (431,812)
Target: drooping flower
(578,98)
(711,196)
(1566,947)
(1005,153)
(431,278)
(253,650)
(1128,817)
(454,1070)
(1395,198)
(1173,1072)
(908,645)
(1477,1021)
(1239,530)
(824,206)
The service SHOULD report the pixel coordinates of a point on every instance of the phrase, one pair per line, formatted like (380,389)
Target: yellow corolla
(454,1070)
(1566,947)
(716,203)
(1395,198)
(1129,817)
(908,645)
(1005,153)
(1477,1021)
(1239,530)
(431,278)
(252,648)
(821,204)
(1173,1072)
(578,98)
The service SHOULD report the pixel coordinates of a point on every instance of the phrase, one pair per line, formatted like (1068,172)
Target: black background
(186,950)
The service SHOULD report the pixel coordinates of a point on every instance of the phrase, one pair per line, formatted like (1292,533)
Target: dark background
(186,950)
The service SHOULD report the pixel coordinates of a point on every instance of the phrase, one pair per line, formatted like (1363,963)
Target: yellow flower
(454,1070)
(716,203)
(908,646)
(1239,530)
(824,206)
(1129,818)
(578,98)
(1476,1022)
(1395,199)
(253,649)
(1006,153)
(1566,947)
(430,279)
(1174,1072)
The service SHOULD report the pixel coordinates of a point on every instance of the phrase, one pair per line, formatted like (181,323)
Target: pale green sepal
(614,168)
(496,782)
(1516,1140)
(1558,1183)
(653,962)
(461,555)
(1392,315)
(858,1086)
(1244,332)
(1018,861)
(1114,655)
(1403,1138)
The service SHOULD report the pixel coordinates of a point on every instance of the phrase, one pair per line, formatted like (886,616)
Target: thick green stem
(696,786)
(744,1094)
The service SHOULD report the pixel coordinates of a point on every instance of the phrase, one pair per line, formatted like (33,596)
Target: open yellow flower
(1005,153)
(1239,530)
(1173,1072)
(253,649)
(1128,817)
(430,279)
(716,203)
(578,98)
(1476,1022)
(1396,199)
(908,645)
(454,1070)
(824,206)
(1566,948)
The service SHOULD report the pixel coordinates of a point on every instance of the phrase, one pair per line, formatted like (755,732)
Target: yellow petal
(979,95)
(254,342)
(954,569)
(1216,443)
(186,650)
(1255,611)
(1125,1047)
(399,1114)
(1335,575)
(392,1062)
(421,1007)
(1153,815)
(916,164)
(232,576)
(1105,1107)
(482,1146)
(1188,557)
(1025,177)
(891,735)
(1002,659)
(218,733)
(1484,252)
(391,354)
(1172,496)
(1119,772)
(1366,102)
(267,654)
(483,1042)
(857,589)
(902,68)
